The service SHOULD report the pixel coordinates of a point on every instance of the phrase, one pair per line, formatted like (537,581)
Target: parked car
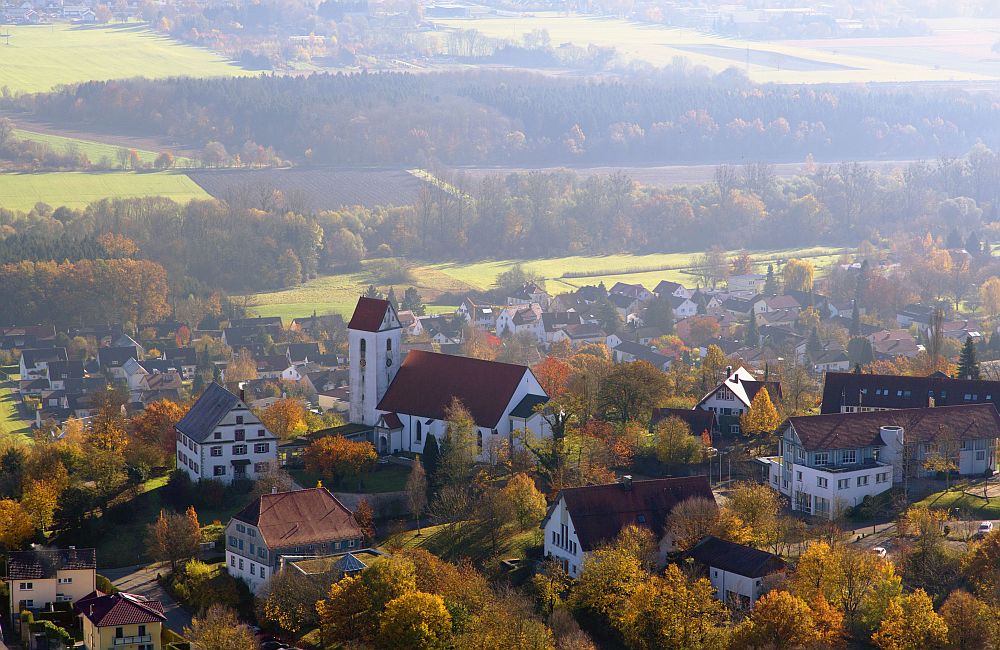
(880,551)
(985,527)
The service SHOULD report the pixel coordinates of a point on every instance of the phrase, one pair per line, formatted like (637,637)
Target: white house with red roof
(405,402)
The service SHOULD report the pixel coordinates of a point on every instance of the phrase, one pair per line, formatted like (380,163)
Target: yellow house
(120,621)
(39,577)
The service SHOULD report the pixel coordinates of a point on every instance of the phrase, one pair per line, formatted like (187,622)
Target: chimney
(627,482)
(274,489)
(729,371)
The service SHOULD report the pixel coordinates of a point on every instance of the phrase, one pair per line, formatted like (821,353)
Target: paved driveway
(142,580)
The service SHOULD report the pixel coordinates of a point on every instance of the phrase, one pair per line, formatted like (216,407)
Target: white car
(879,551)
(985,527)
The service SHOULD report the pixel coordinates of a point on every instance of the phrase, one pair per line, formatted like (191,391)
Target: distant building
(736,572)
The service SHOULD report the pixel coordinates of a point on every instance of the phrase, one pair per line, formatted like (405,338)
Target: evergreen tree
(432,460)
(968,367)
(413,301)
(973,245)
(954,239)
(391,297)
(752,337)
(702,303)
(855,320)
(372,292)
(771,283)
(814,347)
(660,313)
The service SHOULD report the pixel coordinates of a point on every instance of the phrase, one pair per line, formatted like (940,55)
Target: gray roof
(736,558)
(526,407)
(350,564)
(207,412)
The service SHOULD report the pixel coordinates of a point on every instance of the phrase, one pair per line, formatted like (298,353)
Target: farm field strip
(660,45)
(94,150)
(338,294)
(77,189)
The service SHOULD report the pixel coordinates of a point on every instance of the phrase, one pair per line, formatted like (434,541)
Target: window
(798,476)
(849,456)
(388,345)
(218,435)
(241,565)
(241,434)
(119,632)
(734,429)
(262,553)
(821,482)
(252,549)
(239,450)
(262,576)
(363,352)
(862,480)
(260,433)
(252,532)
(261,468)
(142,630)
(26,586)
(65,581)
(219,470)
(216,451)
(881,477)
(843,484)
(240,528)
(980,455)
(800,453)
(479,441)
(232,560)
(822,458)
(239,419)
(261,448)
(420,430)
(253,569)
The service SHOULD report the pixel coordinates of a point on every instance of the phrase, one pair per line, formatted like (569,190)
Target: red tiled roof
(299,518)
(392,421)
(368,314)
(599,512)
(855,430)
(112,610)
(427,382)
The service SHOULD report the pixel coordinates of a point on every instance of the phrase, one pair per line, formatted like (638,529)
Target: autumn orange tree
(174,537)
(285,417)
(335,457)
(153,429)
(16,526)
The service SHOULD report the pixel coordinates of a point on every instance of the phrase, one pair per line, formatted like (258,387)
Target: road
(142,580)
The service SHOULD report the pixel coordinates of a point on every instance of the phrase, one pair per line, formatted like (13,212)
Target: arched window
(388,345)
(479,440)
(364,352)
(420,430)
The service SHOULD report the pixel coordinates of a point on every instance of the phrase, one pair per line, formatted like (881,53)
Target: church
(404,400)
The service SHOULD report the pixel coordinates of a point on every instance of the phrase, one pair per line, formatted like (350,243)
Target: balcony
(850,467)
(132,640)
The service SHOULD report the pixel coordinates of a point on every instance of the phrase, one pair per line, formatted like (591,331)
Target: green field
(468,540)
(39,58)
(95,151)
(845,60)
(337,294)
(77,189)
(11,423)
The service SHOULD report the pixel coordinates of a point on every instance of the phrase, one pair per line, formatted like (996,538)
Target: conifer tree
(771,283)
(968,366)
(752,337)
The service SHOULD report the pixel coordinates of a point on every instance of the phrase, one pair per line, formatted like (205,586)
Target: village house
(300,523)
(521,319)
(30,336)
(736,572)
(529,293)
(627,352)
(121,620)
(674,289)
(914,313)
(698,420)
(634,291)
(42,576)
(753,282)
(34,363)
(477,315)
(221,439)
(683,306)
(582,334)
(829,463)
(581,519)
(889,344)
(847,392)
(554,322)
(733,396)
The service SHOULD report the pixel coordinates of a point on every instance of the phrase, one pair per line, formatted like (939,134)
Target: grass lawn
(95,151)
(120,540)
(975,506)
(11,423)
(77,189)
(338,294)
(469,540)
(385,478)
(38,58)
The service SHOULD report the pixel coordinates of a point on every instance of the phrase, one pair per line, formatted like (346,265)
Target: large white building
(828,463)
(406,402)
(221,439)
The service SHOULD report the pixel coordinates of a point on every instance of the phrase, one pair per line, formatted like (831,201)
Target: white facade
(750,282)
(732,587)
(239,447)
(535,326)
(375,358)
(561,541)
(67,586)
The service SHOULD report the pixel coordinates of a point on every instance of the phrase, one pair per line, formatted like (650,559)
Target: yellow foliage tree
(782,620)
(39,501)
(798,275)
(526,500)
(989,295)
(911,623)
(762,418)
(415,620)
(345,615)
(16,526)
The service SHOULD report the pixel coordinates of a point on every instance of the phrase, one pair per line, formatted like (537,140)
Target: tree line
(488,117)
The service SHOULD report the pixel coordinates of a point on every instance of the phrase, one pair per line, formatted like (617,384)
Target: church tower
(373,338)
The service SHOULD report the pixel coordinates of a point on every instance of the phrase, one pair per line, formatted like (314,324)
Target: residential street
(142,580)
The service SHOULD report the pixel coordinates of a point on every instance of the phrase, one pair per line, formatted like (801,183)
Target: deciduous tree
(335,457)
(911,623)
(631,390)
(285,418)
(16,526)
(527,502)
(154,427)
(675,442)
(797,275)
(972,624)
(415,621)
(220,629)
(174,537)
(762,418)
(416,491)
